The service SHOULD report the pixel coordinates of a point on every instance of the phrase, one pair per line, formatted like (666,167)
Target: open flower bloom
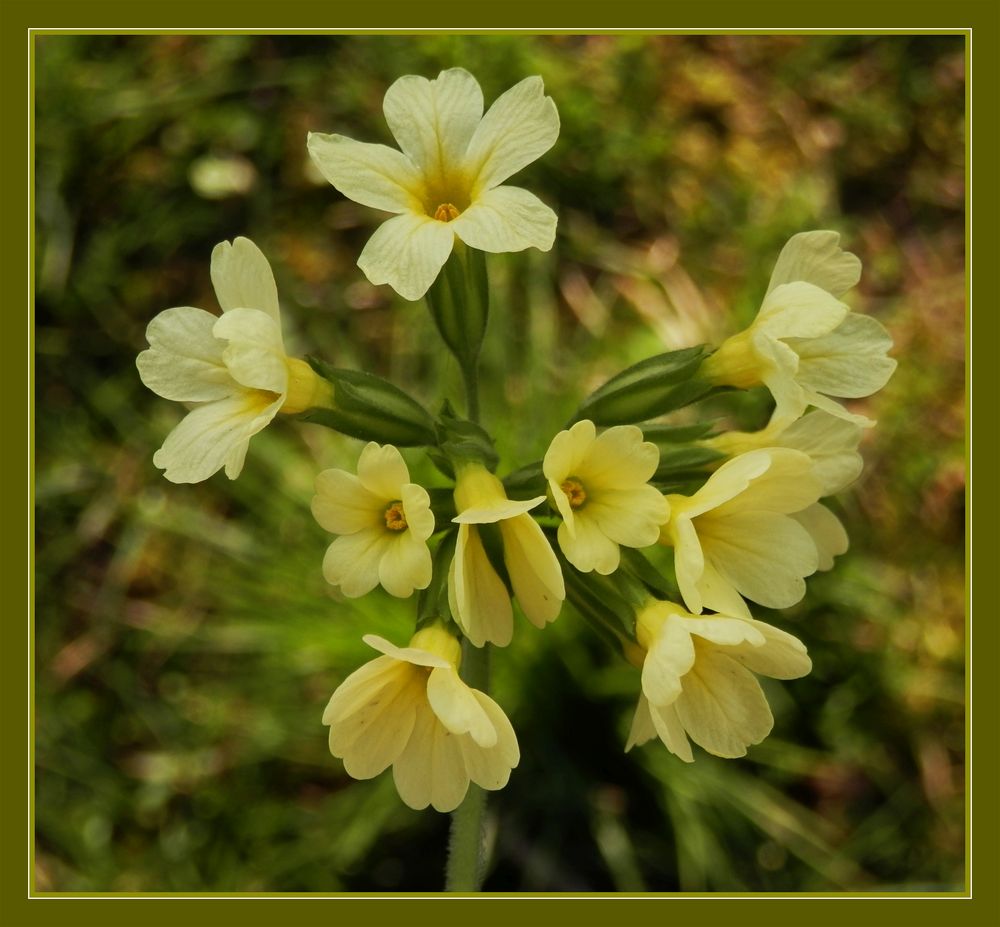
(384,521)
(233,368)
(447,180)
(600,484)
(736,536)
(410,710)
(698,682)
(478,597)
(805,345)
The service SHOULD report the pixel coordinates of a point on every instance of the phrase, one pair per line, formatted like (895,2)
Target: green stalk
(467,845)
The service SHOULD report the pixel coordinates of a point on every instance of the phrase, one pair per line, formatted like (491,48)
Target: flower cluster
(661,535)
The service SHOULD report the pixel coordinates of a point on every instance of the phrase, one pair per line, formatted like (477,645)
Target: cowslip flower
(736,535)
(806,345)
(446,182)
(410,710)
(233,367)
(698,679)
(384,521)
(600,484)
(478,597)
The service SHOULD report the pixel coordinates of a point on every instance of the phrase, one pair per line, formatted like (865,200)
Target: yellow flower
(384,521)
(477,595)
(233,368)
(738,534)
(410,710)
(446,181)
(698,682)
(600,485)
(805,345)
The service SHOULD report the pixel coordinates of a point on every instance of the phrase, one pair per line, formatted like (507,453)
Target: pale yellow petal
(618,458)
(689,561)
(343,506)
(669,657)
(788,485)
(731,479)
(449,778)
(479,600)
(457,707)
(417,510)
(507,219)
(671,731)
(405,565)
(642,729)
(207,436)
(730,632)
(534,571)
(352,561)
(519,127)
(413,655)
(816,258)
(184,360)
(373,175)
(718,593)
(827,532)
(782,656)
(849,362)
(434,120)
(632,517)
(722,706)
(382,471)
(498,510)
(413,770)
(567,450)
(799,310)
(255,352)
(589,549)
(407,252)
(832,445)
(490,767)
(243,279)
(762,554)
(363,685)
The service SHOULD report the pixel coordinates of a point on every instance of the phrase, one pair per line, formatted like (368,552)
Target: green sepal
(367,407)
(651,388)
(443,507)
(460,440)
(683,463)
(653,579)
(668,435)
(526,483)
(459,301)
(603,600)
(432,602)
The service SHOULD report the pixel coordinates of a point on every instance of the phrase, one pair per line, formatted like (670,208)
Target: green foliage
(186,642)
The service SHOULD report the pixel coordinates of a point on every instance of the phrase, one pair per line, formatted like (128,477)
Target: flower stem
(470,377)
(466,845)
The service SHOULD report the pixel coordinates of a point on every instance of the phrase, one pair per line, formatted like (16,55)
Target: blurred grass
(186,641)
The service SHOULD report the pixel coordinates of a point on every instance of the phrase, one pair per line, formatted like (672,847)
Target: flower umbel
(410,710)
(698,682)
(447,180)
(384,521)
(478,597)
(736,535)
(600,485)
(805,345)
(233,368)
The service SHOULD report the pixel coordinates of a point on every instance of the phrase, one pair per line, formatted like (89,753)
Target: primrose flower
(447,180)
(384,521)
(600,485)
(736,536)
(805,345)
(698,682)
(233,368)
(410,710)
(478,597)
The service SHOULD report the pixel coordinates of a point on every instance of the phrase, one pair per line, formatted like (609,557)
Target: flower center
(446,212)
(575,492)
(395,518)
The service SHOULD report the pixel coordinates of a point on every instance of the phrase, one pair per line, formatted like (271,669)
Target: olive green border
(979,17)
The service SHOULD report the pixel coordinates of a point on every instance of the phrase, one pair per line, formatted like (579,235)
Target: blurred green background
(186,640)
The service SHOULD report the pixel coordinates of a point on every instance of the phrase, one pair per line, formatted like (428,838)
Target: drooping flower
(600,485)
(233,368)
(698,682)
(384,521)
(805,344)
(738,534)
(410,710)
(447,180)
(478,597)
